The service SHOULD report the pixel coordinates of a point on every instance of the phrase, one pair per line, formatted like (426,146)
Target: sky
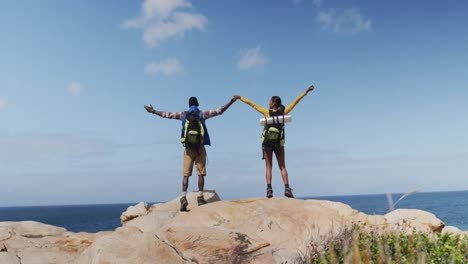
(388,113)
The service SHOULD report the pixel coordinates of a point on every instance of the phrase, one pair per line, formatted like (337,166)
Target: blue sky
(388,113)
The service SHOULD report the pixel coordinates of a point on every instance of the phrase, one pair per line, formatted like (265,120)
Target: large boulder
(281,229)
(33,242)
(454,231)
(134,212)
(218,245)
(159,214)
(409,220)
(30,229)
(130,245)
(255,230)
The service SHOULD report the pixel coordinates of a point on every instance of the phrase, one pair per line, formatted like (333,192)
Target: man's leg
(200,160)
(185,182)
(187,168)
(201,183)
(183,199)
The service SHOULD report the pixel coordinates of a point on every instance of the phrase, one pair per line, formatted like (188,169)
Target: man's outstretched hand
(236,96)
(149,108)
(311,88)
(233,99)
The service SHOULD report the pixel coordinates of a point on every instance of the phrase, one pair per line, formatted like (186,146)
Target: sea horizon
(154,202)
(449,206)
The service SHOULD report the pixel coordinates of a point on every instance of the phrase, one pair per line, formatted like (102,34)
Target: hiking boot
(288,193)
(201,200)
(269,192)
(183,204)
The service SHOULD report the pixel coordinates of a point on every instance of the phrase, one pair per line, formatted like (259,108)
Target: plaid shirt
(179,115)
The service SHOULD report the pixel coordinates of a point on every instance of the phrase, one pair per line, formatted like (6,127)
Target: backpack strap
(184,119)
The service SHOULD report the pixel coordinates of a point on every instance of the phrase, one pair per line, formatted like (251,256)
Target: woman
(273,138)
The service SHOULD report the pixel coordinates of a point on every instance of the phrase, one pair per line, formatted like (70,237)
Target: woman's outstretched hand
(236,96)
(311,88)
(149,108)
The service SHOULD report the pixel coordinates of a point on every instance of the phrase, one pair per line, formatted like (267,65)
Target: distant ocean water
(450,207)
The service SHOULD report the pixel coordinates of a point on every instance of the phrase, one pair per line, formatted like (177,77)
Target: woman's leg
(279,153)
(268,156)
(280,157)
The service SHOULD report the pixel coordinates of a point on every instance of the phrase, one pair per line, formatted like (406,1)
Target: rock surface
(407,219)
(454,230)
(134,212)
(255,230)
(9,258)
(129,245)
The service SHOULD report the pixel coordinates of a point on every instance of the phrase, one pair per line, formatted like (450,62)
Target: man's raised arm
(169,115)
(218,111)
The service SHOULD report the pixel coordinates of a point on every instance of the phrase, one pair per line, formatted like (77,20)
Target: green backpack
(273,134)
(192,132)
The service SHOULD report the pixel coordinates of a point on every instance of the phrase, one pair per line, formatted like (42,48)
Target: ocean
(450,207)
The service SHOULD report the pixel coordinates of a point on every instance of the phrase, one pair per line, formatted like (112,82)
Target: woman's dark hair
(277,103)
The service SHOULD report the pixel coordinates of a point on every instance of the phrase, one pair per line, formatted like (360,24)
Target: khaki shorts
(191,156)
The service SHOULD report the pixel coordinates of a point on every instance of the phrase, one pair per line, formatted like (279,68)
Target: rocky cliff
(256,230)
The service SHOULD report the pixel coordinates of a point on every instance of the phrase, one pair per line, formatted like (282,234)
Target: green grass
(354,245)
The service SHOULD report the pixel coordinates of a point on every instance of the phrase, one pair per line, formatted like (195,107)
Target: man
(194,137)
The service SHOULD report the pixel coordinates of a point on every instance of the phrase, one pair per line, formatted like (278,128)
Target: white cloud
(251,58)
(181,22)
(3,104)
(75,89)
(164,19)
(347,21)
(166,67)
(162,8)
